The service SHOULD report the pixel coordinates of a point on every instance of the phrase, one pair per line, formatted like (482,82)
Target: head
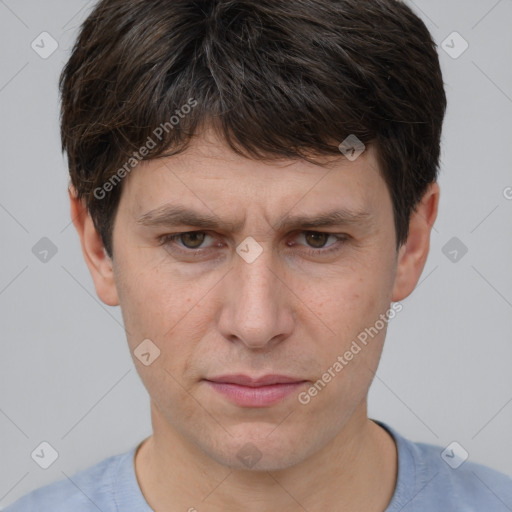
(234,111)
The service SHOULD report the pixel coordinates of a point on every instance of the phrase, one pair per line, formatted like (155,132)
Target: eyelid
(341,239)
(170,237)
(338,236)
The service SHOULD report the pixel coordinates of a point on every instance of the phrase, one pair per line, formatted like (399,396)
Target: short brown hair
(277,79)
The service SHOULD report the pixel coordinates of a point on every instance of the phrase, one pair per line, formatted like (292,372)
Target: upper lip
(246,380)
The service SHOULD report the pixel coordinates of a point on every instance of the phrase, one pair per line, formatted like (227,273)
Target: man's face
(290,310)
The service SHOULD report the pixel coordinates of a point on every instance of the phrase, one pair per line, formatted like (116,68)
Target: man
(254,183)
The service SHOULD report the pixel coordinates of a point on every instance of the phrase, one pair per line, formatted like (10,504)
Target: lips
(246,391)
(252,382)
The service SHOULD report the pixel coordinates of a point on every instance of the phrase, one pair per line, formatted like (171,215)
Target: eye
(190,243)
(317,241)
(190,240)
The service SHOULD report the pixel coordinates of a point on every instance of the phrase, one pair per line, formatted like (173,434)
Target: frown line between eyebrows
(174,215)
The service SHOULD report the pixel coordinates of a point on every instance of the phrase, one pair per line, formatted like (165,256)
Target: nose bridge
(256,309)
(254,281)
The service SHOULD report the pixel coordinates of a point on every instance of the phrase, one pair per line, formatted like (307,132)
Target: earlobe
(413,254)
(98,261)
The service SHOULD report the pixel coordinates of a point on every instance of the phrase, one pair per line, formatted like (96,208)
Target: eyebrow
(174,215)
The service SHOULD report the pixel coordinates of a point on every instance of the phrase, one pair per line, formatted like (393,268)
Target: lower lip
(261,396)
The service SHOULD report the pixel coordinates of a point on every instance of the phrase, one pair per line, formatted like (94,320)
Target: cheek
(157,306)
(161,305)
(153,299)
(351,304)
(347,303)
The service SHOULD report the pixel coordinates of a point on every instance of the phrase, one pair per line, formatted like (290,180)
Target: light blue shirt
(425,483)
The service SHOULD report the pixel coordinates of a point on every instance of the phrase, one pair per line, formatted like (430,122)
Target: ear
(96,257)
(413,253)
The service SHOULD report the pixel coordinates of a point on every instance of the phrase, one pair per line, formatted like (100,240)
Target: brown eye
(193,239)
(316,239)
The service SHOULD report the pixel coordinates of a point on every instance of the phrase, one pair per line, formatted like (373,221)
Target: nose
(256,303)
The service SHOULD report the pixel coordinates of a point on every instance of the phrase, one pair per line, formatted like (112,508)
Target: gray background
(66,376)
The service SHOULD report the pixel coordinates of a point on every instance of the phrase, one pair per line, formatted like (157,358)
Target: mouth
(246,391)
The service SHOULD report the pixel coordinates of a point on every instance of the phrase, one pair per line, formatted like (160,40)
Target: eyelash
(341,239)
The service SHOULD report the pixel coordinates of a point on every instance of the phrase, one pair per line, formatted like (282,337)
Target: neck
(355,471)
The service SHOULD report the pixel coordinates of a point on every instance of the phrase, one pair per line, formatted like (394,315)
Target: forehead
(211,177)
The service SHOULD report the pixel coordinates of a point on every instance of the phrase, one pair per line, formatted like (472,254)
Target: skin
(289,312)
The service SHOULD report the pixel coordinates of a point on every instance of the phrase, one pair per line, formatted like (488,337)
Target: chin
(260,449)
